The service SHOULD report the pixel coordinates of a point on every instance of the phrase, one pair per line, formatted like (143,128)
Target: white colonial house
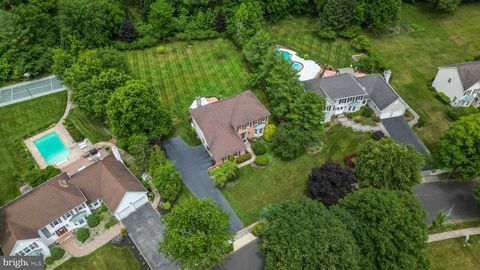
(50,213)
(460,82)
(345,93)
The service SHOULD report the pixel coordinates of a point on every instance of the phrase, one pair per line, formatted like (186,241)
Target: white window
(248,125)
(328,108)
(260,131)
(56,222)
(236,154)
(80,207)
(46,232)
(255,122)
(449,80)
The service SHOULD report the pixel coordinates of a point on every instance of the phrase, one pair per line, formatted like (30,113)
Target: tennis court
(29,90)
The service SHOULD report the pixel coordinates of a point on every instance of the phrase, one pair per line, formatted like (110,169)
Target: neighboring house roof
(21,219)
(346,70)
(469,73)
(218,122)
(339,86)
(379,91)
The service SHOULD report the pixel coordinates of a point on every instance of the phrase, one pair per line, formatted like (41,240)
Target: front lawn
(284,180)
(189,69)
(18,121)
(105,258)
(454,254)
(89,128)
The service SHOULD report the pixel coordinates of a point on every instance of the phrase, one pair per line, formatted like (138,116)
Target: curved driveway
(193,164)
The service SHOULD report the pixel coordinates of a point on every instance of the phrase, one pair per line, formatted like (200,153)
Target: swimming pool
(287,56)
(52,148)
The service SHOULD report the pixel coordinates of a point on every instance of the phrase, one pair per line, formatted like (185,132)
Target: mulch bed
(126,241)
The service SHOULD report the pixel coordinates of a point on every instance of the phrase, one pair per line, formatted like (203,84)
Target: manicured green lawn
(298,34)
(455,226)
(452,254)
(189,69)
(413,57)
(283,180)
(17,122)
(105,258)
(94,131)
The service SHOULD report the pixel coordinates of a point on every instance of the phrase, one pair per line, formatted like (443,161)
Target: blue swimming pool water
(296,65)
(52,148)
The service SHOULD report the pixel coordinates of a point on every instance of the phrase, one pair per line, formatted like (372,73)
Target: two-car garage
(395,109)
(131,201)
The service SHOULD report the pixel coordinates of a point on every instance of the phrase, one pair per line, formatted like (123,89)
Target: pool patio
(310,70)
(75,151)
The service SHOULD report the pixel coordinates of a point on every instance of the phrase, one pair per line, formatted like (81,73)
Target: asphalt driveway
(146,230)
(401,132)
(193,164)
(248,257)
(455,195)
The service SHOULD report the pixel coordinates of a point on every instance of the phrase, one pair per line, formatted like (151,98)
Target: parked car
(350,160)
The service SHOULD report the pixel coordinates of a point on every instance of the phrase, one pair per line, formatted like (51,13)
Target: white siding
(129,203)
(395,109)
(22,244)
(448,82)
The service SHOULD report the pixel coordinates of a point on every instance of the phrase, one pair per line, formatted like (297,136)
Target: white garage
(395,109)
(130,202)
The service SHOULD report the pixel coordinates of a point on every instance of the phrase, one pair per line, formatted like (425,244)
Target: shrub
(327,34)
(227,171)
(366,111)
(37,176)
(420,123)
(258,229)
(49,260)
(167,205)
(73,131)
(111,222)
(167,181)
(443,98)
(244,157)
(454,113)
(123,232)
(361,43)
(259,148)
(92,221)
(57,253)
(351,31)
(440,219)
(83,234)
(372,64)
(354,114)
(160,49)
(269,132)
(262,160)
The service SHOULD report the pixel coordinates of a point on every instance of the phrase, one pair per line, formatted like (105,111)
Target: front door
(244,136)
(61,231)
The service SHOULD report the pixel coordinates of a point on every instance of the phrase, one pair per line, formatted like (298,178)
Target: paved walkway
(453,234)
(251,160)
(76,251)
(349,123)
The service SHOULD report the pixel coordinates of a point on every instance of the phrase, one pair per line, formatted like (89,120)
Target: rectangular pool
(52,148)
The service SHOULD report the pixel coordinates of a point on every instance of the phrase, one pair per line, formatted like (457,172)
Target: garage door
(132,207)
(398,113)
(385,115)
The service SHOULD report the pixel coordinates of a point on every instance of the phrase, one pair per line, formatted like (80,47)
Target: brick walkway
(76,251)
(453,234)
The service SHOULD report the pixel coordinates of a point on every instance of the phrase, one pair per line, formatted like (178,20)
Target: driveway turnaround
(193,164)
(248,257)
(146,230)
(401,132)
(455,195)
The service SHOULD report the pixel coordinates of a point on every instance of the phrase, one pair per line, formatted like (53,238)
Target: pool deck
(310,70)
(75,152)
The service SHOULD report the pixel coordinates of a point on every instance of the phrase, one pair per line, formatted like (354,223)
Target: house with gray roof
(460,82)
(345,93)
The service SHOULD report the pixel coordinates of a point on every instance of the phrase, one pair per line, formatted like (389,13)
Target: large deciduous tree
(445,5)
(167,181)
(282,87)
(246,21)
(136,108)
(94,23)
(307,112)
(303,234)
(459,148)
(289,142)
(196,234)
(330,183)
(256,49)
(386,164)
(127,31)
(380,13)
(161,18)
(388,226)
(337,15)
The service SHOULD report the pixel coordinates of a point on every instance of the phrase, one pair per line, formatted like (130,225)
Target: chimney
(199,101)
(387,74)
